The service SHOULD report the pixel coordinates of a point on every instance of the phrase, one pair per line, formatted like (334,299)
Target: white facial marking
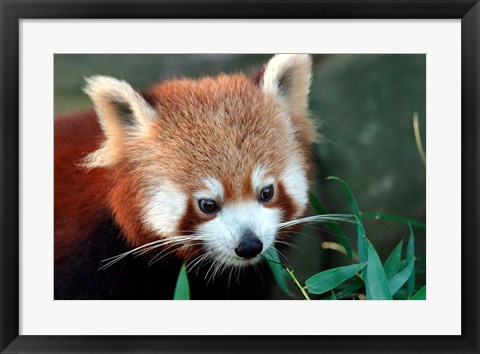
(213,189)
(223,234)
(165,206)
(259,179)
(296,185)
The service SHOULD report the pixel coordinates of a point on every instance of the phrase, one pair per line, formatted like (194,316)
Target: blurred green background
(364,103)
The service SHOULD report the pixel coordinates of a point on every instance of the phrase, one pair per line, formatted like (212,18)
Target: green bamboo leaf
(361,241)
(349,289)
(392,264)
(331,278)
(350,196)
(361,235)
(334,228)
(401,295)
(376,281)
(279,273)
(319,208)
(411,260)
(420,294)
(333,297)
(397,281)
(182,289)
(390,217)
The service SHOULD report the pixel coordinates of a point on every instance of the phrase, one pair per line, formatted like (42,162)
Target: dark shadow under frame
(13,10)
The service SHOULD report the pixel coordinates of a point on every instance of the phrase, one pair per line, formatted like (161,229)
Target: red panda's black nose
(249,246)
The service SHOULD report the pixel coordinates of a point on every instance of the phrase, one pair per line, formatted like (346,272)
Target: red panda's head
(212,166)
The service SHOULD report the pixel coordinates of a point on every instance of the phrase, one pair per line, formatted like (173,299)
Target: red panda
(200,171)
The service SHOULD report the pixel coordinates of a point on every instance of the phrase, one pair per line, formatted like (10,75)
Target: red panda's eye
(208,206)
(267,193)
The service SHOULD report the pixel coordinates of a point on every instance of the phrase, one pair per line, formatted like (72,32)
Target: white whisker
(131,251)
(212,268)
(173,240)
(198,260)
(318,218)
(282,255)
(160,255)
(289,244)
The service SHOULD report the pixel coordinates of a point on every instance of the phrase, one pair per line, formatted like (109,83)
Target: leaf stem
(360,276)
(302,289)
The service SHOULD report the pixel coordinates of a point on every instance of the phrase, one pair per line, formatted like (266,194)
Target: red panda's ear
(122,113)
(287,77)
(119,107)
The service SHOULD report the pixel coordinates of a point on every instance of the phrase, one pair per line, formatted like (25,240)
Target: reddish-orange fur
(81,196)
(139,168)
(244,113)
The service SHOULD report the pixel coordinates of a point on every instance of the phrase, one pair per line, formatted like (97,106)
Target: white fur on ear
(287,77)
(122,113)
(118,105)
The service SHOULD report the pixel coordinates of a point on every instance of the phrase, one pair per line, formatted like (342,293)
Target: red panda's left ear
(287,77)
(122,113)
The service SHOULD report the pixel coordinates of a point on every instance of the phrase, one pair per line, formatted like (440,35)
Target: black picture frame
(12,11)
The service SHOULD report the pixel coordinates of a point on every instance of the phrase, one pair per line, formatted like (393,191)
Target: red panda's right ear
(122,112)
(287,78)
